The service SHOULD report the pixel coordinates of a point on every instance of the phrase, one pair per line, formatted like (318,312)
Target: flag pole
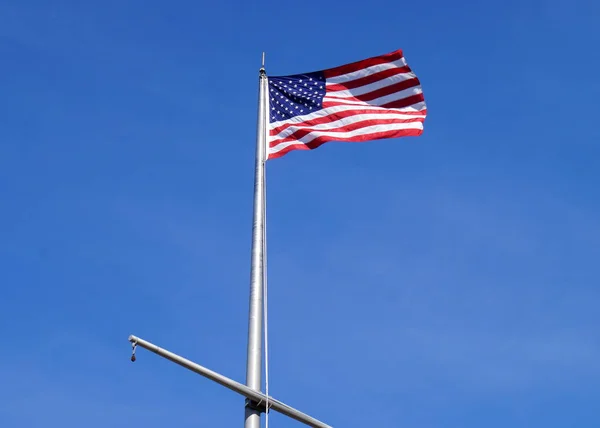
(255,317)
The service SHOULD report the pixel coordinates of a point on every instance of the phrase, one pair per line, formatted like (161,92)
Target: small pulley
(133,346)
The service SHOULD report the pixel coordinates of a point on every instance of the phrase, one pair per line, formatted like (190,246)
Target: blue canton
(296,95)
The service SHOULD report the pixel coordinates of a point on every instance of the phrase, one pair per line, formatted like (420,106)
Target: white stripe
(365,89)
(366,71)
(362,131)
(348,106)
(381,100)
(345,121)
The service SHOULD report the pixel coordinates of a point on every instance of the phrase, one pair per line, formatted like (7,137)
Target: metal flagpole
(256,401)
(254,356)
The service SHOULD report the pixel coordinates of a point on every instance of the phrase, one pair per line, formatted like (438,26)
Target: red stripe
(338,115)
(405,102)
(381,92)
(358,139)
(328,104)
(300,133)
(359,65)
(367,80)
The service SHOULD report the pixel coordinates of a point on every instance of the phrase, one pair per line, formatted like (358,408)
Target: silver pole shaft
(254,355)
(231,384)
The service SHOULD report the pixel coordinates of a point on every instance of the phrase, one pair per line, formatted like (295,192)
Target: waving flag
(375,98)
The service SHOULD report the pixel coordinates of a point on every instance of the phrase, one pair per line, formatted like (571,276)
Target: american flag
(375,98)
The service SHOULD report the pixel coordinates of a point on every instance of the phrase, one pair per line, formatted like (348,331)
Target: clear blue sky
(449,280)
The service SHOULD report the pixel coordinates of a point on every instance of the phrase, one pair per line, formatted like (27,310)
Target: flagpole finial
(262,64)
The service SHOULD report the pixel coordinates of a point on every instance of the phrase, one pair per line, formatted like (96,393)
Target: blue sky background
(446,280)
